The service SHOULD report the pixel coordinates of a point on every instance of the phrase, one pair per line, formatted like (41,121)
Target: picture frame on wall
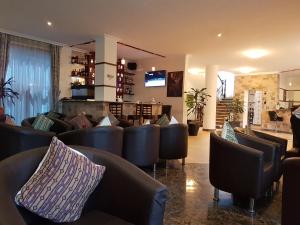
(175,84)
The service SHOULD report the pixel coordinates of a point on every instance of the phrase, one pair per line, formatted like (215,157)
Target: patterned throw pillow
(42,123)
(80,122)
(54,115)
(61,184)
(113,120)
(228,133)
(163,121)
(104,122)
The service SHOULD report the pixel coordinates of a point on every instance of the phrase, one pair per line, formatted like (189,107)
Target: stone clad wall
(269,84)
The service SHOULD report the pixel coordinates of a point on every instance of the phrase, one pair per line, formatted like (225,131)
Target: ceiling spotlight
(49,23)
(123,61)
(153,68)
(246,69)
(219,35)
(290,84)
(255,53)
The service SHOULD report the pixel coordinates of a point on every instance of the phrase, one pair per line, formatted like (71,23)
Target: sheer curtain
(29,64)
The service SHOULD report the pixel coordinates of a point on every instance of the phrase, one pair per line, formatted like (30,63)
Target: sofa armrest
(129,193)
(235,168)
(267,148)
(281,141)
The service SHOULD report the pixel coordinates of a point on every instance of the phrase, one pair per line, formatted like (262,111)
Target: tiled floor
(191,195)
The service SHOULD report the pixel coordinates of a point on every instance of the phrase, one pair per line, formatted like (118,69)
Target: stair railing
(221,91)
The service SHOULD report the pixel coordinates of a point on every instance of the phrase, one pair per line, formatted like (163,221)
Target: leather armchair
(280,146)
(108,138)
(290,192)
(125,195)
(16,139)
(244,169)
(141,145)
(295,125)
(59,126)
(173,142)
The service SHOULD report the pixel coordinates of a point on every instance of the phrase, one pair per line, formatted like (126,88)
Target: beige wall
(269,84)
(171,64)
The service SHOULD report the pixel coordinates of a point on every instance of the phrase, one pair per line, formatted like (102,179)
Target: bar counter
(98,109)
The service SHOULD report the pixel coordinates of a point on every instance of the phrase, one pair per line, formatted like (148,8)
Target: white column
(209,120)
(105,68)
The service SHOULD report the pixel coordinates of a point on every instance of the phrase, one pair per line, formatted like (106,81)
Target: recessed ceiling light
(255,53)
(153,68)
(49,23)
(219,35)
(196,71)
(290,84)
(246,69)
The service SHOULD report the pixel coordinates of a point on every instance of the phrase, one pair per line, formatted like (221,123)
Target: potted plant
(196,101)
(6,92)
(235,109)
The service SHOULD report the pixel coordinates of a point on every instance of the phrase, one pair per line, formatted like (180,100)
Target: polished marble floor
(191,195)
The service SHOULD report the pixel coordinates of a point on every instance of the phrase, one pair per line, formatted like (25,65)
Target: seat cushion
(95,217)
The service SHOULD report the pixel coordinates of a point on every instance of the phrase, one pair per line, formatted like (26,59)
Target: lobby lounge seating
(290,192)
(280,145)
(59,126)
(141,145)
(295,125)
(173,142)
(16,139)
(245,169)
(108,138)
(125,195)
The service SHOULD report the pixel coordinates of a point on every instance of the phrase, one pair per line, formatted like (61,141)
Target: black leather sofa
(59,126)
(141,145)
(173,142)
(245,170)
(290,192)
(108,138)
(125,195)
(15,139)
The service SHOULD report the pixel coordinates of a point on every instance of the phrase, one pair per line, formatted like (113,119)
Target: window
(30,66)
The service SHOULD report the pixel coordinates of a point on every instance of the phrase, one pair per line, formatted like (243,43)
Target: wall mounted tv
(155,78)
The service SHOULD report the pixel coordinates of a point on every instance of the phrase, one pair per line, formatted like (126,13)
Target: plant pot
(193,128)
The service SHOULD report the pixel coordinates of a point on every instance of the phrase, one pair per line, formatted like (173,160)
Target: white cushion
(173,120)
(104,122)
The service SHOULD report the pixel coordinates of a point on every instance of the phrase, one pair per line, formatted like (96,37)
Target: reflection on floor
(191,202)
(191,194)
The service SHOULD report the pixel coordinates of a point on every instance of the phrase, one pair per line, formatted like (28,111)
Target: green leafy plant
(235,108)
(196,101)
(6,92)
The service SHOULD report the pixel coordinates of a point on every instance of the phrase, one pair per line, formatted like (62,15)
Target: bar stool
(116,109)
(147,112)
(138,113)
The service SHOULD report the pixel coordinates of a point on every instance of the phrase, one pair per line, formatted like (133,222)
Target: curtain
(30,67)
(55,66)
(3,54)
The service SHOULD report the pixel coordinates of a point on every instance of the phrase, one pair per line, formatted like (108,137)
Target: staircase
(222,111)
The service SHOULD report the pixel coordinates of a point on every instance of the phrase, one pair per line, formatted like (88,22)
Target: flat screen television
(155,78)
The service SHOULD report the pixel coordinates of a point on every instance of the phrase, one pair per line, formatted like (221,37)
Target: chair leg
(216,195)
(251,205)
(183,161)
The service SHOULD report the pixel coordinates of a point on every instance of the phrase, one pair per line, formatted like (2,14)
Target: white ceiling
(170,27)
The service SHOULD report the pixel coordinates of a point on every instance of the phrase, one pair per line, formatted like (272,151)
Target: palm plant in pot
(235,109)
(196,101)
(7,92)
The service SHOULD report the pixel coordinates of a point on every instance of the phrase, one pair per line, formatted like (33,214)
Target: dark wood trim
(209,129)
(104,85)
(121,43)
(106,63)
(288,89)
(286,71)
(143,50)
